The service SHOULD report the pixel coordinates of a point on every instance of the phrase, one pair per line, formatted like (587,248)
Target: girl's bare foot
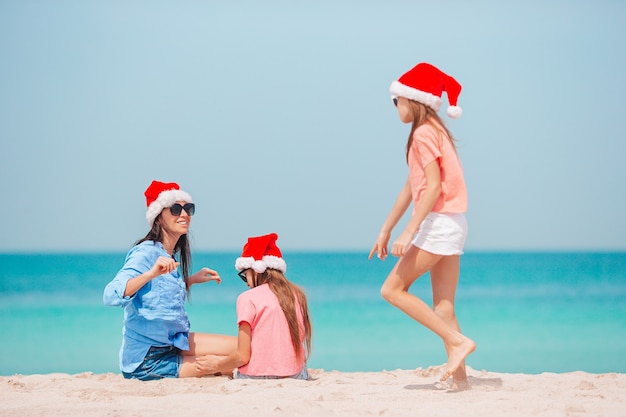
(461,385)
(457,356)
(459,379)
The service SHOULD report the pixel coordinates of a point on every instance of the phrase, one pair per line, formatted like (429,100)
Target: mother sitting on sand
(156,339)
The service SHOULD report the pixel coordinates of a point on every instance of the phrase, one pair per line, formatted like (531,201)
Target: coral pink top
(272,353)
(430,144)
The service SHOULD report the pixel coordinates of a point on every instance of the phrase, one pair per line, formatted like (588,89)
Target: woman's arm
(163,265)
(427,202)
(399,208)
(204,275)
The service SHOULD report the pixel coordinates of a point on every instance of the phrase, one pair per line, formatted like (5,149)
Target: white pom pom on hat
(454,112)
(426,83)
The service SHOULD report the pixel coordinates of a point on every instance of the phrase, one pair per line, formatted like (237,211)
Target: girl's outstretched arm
(211,364)
(399,208)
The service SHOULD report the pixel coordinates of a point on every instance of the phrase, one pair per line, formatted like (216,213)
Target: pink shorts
(442,234)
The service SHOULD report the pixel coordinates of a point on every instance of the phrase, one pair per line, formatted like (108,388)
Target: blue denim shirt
(155,315)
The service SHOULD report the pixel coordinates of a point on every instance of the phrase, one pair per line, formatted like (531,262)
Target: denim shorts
(303,374)
(160,362)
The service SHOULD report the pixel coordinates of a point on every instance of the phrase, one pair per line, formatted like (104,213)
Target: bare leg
(201,344)
(412,265)
(444,279)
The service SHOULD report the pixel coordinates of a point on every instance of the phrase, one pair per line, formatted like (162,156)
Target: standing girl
(434,237)
(273,317)
(156,339)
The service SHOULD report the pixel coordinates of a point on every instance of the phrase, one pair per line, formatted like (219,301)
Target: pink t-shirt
(272,352)
(430,144)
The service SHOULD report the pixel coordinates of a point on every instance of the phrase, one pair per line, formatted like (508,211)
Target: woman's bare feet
(457,356)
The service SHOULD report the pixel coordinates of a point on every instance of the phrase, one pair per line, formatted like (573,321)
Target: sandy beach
(331,393)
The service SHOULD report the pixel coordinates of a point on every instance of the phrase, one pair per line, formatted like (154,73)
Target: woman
(156,339)
(434,237)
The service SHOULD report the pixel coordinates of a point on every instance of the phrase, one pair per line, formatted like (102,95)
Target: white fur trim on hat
(400,90)
(274,262)
(166,199)
(250,263)
(268,261)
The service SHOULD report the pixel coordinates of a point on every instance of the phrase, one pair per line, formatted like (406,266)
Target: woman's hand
(163,265)
(380,246)
(402,244)
(205,275)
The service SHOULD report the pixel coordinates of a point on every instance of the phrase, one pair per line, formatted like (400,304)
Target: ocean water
(527,312)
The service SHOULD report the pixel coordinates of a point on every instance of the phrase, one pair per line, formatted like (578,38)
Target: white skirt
(442,234)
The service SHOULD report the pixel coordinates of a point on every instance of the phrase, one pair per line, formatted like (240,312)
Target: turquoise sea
(527,312)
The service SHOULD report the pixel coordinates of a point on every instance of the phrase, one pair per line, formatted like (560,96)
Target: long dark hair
(181,248)
(288,293)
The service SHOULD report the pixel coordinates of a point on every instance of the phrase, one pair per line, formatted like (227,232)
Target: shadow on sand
(490,383)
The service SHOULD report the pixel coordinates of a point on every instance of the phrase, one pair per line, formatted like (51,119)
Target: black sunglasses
(176,209)
(242,275)
(395,101)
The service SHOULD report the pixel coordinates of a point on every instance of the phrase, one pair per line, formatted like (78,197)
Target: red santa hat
(426,83)
(160,195)
(260,253)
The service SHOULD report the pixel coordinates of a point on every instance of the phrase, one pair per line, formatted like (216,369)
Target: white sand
(388,393)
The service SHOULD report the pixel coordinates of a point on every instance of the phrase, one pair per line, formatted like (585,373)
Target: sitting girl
(273,319)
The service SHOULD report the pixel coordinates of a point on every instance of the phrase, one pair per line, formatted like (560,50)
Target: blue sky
(276,117)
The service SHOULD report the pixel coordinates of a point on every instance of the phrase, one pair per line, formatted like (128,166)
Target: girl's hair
(289,297)
(182,247)
(424,114)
